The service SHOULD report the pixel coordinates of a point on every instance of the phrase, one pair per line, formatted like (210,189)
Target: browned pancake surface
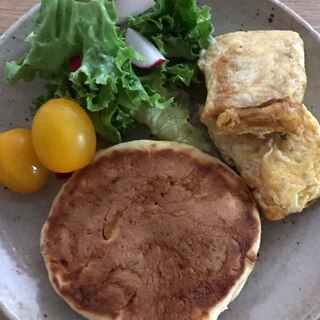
(150,233)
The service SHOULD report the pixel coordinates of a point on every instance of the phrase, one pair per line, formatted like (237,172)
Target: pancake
(151,230)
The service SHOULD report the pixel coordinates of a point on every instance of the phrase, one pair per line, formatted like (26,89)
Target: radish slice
(133,8)
(75,63)
(152,56)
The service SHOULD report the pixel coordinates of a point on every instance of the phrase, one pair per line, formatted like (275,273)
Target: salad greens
(116,95)
(180,29)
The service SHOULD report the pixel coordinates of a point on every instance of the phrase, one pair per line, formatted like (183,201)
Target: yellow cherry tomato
(63,136)
(20,169)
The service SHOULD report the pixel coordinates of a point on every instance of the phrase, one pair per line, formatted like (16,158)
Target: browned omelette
(254,111)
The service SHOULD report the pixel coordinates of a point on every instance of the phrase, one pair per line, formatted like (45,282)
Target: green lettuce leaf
(105,81)
(115,95)
(172,124)
(180,29)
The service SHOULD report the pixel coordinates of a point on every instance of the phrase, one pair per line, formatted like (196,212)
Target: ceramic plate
(285,283)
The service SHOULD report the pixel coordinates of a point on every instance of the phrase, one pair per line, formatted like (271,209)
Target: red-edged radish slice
(152,56)
(75,63)
(133,8)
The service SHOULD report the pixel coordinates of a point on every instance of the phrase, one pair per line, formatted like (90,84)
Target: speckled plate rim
(17,23)
(294,15)
(277,3)
(315,310)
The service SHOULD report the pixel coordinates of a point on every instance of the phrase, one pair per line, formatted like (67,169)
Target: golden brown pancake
(151,230)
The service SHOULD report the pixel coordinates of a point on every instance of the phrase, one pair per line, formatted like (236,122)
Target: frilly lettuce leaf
(180,29)
(172,124)
(114,94)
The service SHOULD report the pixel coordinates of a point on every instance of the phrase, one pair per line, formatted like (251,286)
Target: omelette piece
(255,116)
(283,171)
(283,117)
(253,69)
(151,230)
